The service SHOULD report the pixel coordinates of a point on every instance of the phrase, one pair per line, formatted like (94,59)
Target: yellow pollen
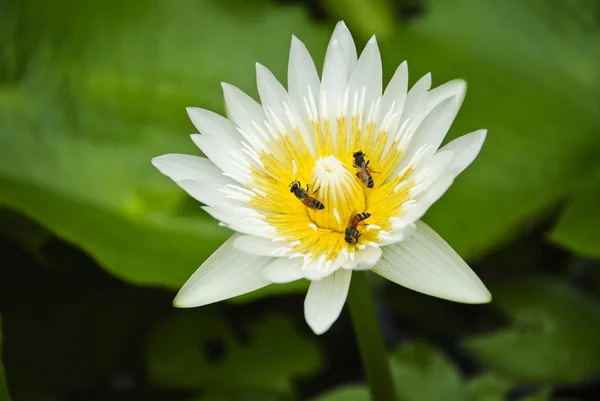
(339,190)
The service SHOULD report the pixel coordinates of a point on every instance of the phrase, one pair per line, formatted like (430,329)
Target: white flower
(309,134)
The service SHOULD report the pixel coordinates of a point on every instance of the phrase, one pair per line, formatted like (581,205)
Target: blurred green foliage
(91,91)
(553,326)
(199,350)
(3,388)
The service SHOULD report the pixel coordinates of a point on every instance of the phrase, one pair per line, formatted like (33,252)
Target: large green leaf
(420,373)
(423,373)
(3,387)
(198,349)
(88,98)
(488,387)
(579,226)
(554,326)
(354,392)
(533,80)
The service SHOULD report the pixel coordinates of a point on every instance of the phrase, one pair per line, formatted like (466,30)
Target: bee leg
(316,190)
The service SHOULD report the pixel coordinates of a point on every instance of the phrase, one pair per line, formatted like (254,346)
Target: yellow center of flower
(332,180)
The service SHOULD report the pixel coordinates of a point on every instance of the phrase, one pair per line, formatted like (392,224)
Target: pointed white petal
(433,128)
(180,167)
(343,37)
(248,115)
(198,176)
(303,79)
(456,87)
(392,103)
(225,274)
(464,149)
(228,158)
(244,220)
(333,84)
(426,263)
(325,300)
(257,245)
(283,270)
(340,60)
(214,125)
(365,80)
(278,106)
(417,100)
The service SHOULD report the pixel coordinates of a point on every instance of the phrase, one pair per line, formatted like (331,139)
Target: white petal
(278,106)
(303,79)
(426,263)
(215,125)
(417,100)
(364,259)
(465,149)
(392,103)
(257,245)
(228,158)
(333,85)
(180,167)
(283,270)
(225,274)
(343,37)
(325,300)
(365,80)
(340,60)
(248,115)
(198,176)
(242,220)
(433,128)
(456,87)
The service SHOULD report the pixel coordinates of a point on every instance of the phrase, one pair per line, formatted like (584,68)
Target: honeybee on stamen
(364,171)
(305,198)
(352,234)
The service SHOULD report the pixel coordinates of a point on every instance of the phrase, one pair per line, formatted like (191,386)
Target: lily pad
(579,227)
(554,326)
(423,373)
(198,349)
(488,387)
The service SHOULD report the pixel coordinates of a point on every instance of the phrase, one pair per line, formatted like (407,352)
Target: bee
(352,234)
(364,171)
(302,194)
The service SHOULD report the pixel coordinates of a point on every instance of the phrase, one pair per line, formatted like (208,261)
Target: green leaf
(245,395)
(423,373)
(85,105)
(579,227)
(554,326)
(539,114)
(488,387)
(541,395)
(353,392)
(3,387)
(197,349)
(420,372)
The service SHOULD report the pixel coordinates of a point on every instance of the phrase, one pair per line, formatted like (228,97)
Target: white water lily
(308,133)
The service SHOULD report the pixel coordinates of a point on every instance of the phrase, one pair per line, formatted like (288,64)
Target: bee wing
(351,218)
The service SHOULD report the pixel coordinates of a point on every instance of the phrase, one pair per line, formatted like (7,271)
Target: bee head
(294,185)
(358,154)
